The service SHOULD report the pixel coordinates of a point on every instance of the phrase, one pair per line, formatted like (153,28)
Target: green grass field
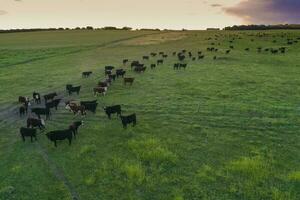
(221,129)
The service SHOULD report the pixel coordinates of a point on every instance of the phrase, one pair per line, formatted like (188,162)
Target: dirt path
(57,172)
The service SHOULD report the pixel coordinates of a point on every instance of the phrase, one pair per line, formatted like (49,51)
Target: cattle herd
(51,100)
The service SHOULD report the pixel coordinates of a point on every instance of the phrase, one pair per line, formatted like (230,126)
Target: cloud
(266,11)
(3,12)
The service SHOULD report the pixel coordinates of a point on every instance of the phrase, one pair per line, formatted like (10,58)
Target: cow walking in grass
(128,80)
(28,132)
(60,135)
(130,119)
(109,110)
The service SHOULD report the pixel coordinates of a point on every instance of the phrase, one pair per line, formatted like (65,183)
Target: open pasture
(224,127)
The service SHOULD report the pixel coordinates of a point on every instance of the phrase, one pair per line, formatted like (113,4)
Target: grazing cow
(50,96)
(228,51)
(231,47)
(100,90)
(28,132)
(86,74)
(153,66)
(41,111)
(128,120)
(71,89)
(174,53)
(160,62)
(145,57)
(153,54)
(109,67)
(247,49)
(165,56)
(125,61)
(90,105)
(37,97)
(194,58)
(73,107)
(128,80)
(60,135)
(199,52)
(161,53)
(74,127)
(32,122)
(134,63)
(200,57)
(140,69)
(53,104)
(190,54)
(176,66)
(120,72)
(111,110)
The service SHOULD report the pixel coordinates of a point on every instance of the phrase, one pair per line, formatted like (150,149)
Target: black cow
(74,127)
(60,135)
(140,69)
(153,66)
(32,122)
(200,57)
(37,97)
(28,132)
(90,105)
(125,61)
(72,89)
(160,62)
(120,72)
(53,104)
(109,67)
(128,80)
(50,96)
(128,120)
(145,57)
(112,109)
(41,111)
(86,74)
(134,63)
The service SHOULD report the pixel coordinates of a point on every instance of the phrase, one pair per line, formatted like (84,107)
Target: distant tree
(89,28)
(110,28)
(125,28)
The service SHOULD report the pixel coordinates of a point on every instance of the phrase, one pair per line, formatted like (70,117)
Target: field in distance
(225,127)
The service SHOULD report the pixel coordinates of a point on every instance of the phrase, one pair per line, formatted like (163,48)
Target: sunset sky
(173,14)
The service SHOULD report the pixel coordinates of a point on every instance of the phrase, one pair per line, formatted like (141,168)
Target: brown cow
(128,80)
(76,108)
(100,90)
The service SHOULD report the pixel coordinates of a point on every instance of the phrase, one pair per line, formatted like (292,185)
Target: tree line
(77,28)
(263,27)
